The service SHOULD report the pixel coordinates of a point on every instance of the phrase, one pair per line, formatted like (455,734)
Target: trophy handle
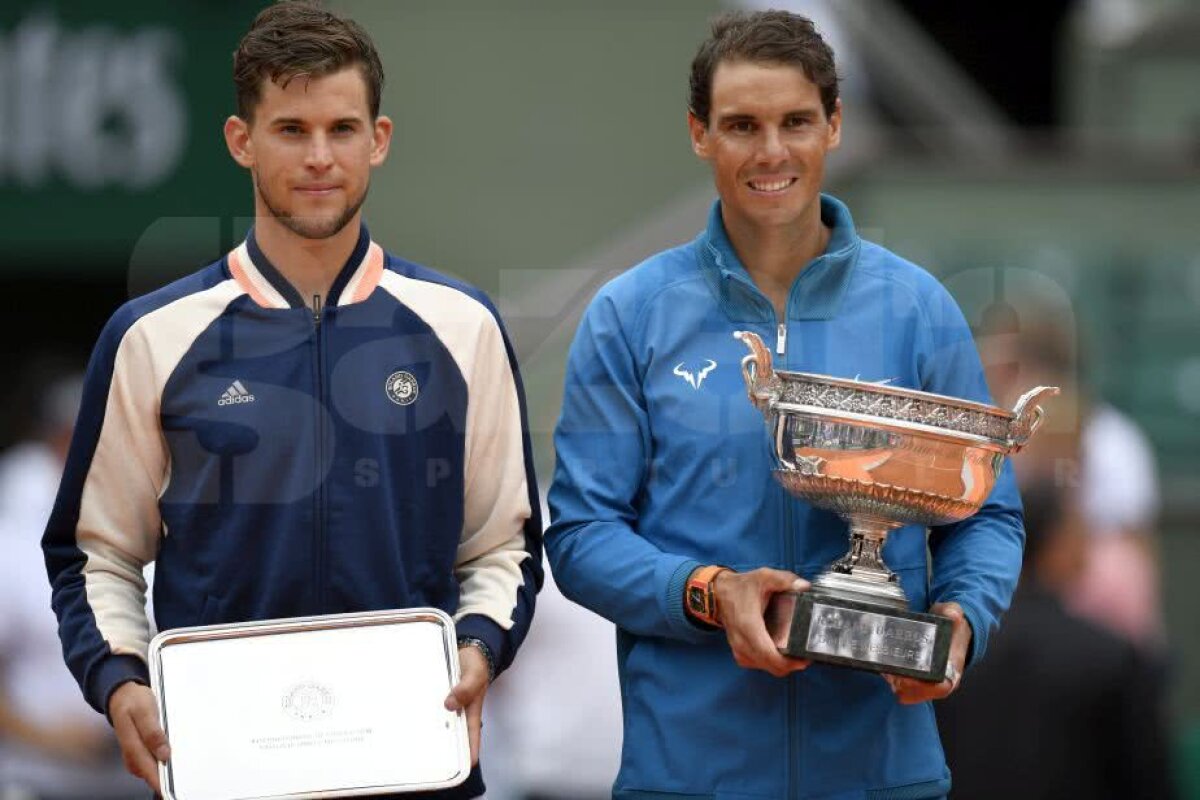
(1028,416)
(762,390)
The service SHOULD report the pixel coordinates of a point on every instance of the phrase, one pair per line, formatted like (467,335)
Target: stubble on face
(310,227)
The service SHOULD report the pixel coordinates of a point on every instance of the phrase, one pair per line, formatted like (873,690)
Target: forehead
(339,94)
(758,87)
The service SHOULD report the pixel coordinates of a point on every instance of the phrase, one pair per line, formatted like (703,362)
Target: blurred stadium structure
(1049,155)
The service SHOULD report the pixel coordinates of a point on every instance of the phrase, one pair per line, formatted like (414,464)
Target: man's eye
(290,130)
(744,126)
(796,122)
(344,128)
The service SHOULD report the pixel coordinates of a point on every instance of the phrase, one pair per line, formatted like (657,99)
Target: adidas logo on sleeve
(236,393)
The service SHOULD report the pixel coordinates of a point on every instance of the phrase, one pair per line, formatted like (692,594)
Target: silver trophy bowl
(881,457)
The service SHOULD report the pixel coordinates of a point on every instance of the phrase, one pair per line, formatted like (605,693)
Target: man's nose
(771,147)
(320,154)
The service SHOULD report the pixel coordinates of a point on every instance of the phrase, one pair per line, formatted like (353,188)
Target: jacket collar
(266,285)
(817,291)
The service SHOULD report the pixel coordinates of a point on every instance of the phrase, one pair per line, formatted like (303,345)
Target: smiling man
(666,518)
(300,428)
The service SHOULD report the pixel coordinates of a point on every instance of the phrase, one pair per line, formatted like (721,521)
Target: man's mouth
(771,185)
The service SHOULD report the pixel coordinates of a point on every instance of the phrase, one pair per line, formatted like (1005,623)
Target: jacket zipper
(789,555)
(319,492)
(792,775)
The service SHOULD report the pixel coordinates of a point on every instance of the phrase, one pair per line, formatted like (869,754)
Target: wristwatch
(482,647)
(699,597)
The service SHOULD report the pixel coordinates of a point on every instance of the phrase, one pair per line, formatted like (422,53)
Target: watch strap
(481,646)
(699,599)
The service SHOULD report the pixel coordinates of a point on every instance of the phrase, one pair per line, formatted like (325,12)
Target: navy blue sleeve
(91,659)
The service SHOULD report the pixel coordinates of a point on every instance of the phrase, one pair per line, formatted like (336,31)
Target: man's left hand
(911,690)
(467,695)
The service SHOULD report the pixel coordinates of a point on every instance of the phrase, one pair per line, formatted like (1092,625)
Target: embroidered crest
(402,388)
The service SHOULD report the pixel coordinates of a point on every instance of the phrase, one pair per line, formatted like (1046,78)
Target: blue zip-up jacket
(279,460)
(664,466)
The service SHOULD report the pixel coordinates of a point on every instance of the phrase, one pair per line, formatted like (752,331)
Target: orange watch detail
(699,598)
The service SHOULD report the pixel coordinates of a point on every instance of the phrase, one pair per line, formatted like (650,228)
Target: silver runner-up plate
(343,705)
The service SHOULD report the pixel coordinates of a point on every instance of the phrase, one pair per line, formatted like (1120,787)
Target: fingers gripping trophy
(881,457)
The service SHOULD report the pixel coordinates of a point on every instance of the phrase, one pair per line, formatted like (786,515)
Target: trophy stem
(865,559)
(862,570)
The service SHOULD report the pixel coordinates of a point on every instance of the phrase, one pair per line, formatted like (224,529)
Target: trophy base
(860,633)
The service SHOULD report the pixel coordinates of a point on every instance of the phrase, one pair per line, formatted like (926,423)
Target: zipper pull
(781,339)
(316,309)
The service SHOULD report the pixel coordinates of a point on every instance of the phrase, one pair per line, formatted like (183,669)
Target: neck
(776,255)
(310,265)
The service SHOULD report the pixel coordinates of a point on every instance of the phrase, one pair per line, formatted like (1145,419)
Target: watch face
(696,599)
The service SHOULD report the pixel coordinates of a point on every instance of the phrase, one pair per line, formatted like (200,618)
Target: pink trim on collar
(243,280)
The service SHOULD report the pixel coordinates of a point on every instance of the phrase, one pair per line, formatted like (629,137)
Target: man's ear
(835,125)
(237,139)
(381,140)
(699,135)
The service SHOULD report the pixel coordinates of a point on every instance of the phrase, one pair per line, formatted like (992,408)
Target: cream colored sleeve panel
(497,491)
(492,545)
(119,523)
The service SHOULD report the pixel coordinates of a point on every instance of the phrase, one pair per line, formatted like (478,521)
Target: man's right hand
(742,599)
(134,715)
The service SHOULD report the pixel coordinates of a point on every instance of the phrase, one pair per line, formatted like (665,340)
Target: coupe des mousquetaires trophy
(881,457)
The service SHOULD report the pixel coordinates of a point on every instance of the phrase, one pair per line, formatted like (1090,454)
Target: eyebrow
(725,119)
(297,121)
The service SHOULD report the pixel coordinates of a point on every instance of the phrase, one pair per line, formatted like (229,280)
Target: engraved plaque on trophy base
(878,637)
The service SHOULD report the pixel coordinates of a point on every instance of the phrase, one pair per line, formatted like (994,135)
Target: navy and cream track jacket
(281,461)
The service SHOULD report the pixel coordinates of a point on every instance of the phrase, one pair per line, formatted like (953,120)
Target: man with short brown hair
(307,426)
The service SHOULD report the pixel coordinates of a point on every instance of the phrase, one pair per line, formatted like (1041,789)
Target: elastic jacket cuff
(112,672)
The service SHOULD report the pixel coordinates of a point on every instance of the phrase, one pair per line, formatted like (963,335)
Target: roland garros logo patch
(402,388)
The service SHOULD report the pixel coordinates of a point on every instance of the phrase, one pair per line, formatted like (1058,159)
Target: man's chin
(316,228)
